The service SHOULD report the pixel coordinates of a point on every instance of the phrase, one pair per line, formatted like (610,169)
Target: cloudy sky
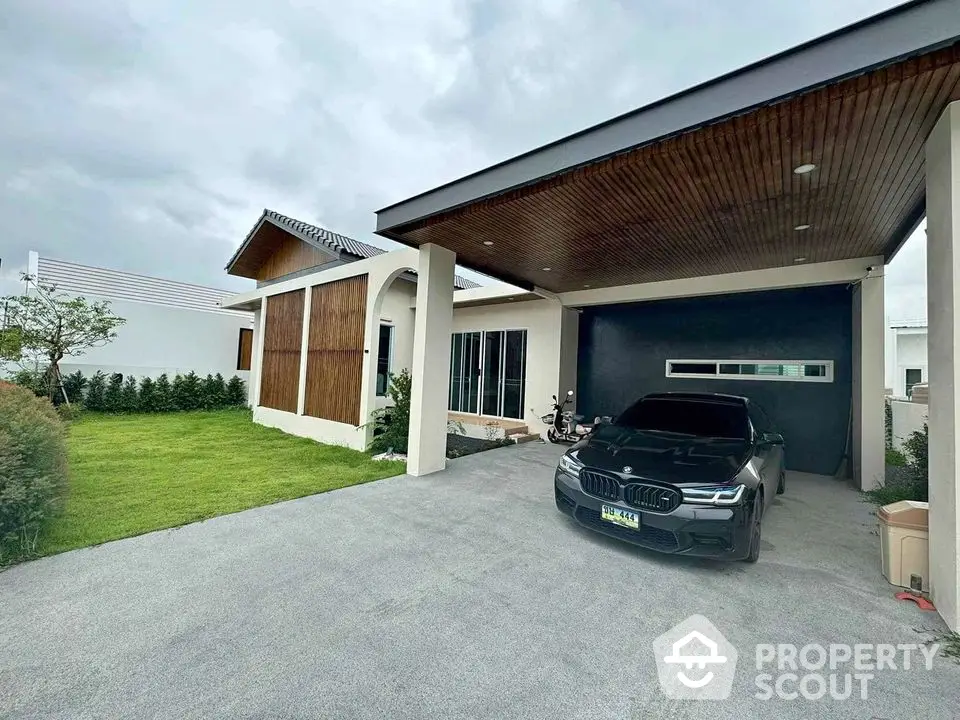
(147,135)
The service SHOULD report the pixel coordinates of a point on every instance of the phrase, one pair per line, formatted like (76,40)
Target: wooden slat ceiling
(722,198)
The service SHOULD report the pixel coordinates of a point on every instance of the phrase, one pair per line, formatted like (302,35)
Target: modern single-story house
(906,356)
(171,327)
(730,237)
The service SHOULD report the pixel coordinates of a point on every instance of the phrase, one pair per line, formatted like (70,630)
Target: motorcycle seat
(578,418)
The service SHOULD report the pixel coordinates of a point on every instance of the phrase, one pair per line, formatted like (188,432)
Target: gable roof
(323,239)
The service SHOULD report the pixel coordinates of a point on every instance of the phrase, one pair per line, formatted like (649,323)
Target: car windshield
(684,416)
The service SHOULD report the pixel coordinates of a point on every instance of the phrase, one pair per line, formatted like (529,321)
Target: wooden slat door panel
(245,349)
(335,350)
(282,338)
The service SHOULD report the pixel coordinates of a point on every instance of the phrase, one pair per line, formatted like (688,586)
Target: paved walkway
(460,595)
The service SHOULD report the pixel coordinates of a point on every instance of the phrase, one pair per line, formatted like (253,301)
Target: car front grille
(652,497)
(599,485)
(647,535)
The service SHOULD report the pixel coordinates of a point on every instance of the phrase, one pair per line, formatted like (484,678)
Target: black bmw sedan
(686,473)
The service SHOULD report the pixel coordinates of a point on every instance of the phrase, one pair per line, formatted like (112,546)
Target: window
(680,416)
(487,372)
(912,376)
(244,349)
(789,370)
(384,350)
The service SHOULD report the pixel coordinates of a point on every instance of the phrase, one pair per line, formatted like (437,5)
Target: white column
(304,344)
(869,430)
(427,451)
(255,350)
(943,318)
(260,324)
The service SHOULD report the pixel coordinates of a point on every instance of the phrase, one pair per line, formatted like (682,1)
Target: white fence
(907,417)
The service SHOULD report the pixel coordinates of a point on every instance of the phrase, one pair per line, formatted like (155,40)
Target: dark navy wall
(624,349)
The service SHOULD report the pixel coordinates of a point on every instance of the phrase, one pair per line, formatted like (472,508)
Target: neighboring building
(171,327)
(906,356)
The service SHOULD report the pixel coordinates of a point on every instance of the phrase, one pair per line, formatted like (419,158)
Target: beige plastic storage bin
(903,544)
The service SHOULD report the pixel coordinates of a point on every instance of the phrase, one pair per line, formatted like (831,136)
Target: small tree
(96,391)
(213,392)
(129,398)
(391,425)
(236,392)
(73,385)
(113,395)
(51,325)
(148,395)
(163,394)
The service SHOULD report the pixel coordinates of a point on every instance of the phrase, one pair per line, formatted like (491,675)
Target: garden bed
(460,445)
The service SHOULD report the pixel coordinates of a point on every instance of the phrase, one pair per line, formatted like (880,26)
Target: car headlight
(714,495)
(570,466)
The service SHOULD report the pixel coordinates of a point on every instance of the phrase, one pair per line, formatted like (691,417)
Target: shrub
(163,394)
(888,423)
(236,392)
(213,392)
(391,425)
(113,395)
(895,458)
(129,398)
(909,481)
(73,385)
(33,469)
(96,392)
(185,392)
(34,380)
(916,448)
(71,412)
(147,395)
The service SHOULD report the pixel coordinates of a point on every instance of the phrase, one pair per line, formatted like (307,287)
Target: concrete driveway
(460,595)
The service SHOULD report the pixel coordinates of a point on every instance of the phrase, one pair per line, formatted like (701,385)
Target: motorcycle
(564,426)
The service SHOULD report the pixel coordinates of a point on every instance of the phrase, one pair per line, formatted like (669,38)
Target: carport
(801,174)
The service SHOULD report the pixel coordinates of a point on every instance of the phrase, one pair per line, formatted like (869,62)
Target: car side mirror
(771,438)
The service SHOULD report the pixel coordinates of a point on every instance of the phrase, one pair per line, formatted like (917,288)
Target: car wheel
(754,553)
(782,484)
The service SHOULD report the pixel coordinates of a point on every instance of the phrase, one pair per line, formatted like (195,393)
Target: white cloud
(147,135)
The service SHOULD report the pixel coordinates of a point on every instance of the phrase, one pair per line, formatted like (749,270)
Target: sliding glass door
(487,371)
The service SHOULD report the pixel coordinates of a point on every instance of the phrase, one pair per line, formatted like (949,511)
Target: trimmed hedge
(33,469)
(118,394)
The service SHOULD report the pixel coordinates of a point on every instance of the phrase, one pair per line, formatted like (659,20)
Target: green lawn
(130,474)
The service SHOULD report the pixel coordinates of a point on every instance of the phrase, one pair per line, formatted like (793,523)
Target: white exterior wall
(906,348)
(907,418)
(171,327)
(397,311)
(543,321)
(160,339)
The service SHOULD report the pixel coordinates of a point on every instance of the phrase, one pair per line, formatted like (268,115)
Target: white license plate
(624,518)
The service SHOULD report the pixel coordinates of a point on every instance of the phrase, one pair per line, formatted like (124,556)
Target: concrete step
(519,430)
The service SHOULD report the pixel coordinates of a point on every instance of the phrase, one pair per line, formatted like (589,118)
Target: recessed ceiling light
(802,227)
(546,269)
(488,243)
(799,259)
(804,169)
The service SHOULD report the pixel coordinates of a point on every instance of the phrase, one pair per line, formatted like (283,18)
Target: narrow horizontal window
(788,370)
